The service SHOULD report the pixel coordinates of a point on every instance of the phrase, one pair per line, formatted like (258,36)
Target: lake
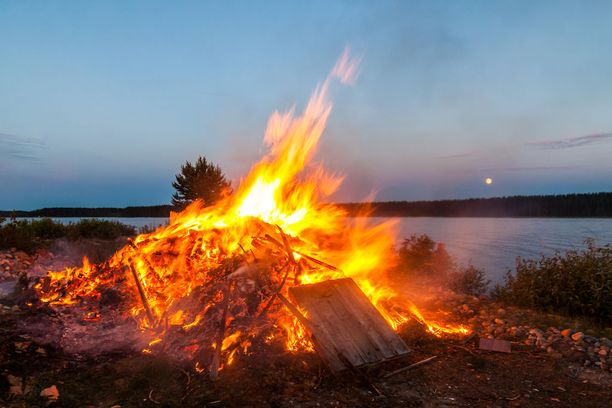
(491,244)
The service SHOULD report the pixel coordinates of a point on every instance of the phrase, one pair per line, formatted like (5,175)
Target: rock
(602,352)
(51,393)
(499,322)
(536,332)
(501,311)
(15,385)
(578,336)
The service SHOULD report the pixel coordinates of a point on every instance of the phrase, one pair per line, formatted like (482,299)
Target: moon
(488,181)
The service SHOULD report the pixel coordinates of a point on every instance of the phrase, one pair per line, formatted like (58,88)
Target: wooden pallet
(346,328)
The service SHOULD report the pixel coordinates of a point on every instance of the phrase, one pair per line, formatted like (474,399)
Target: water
(491,244)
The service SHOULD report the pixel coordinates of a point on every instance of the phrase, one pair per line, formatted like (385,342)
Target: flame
(204,274)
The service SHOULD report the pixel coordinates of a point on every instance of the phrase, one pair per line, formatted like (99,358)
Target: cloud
(20,148)
(573,141)
(534,168)
(458,155)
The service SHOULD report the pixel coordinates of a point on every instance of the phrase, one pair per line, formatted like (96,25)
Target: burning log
(143,296)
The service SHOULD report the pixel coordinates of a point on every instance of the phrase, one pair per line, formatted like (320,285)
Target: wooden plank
(382,338)
(345,322)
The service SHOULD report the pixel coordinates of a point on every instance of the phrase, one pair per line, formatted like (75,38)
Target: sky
(101,102)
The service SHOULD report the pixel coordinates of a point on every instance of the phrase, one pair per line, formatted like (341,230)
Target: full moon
(488,181)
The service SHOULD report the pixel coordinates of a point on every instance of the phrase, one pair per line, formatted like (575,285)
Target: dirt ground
(545,368)
(461,375)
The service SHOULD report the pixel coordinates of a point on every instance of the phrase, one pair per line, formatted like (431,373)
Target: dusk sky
(101,102)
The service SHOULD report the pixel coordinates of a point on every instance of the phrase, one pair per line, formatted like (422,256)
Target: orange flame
(186,274)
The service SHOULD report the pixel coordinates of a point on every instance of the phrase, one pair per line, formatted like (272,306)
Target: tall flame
(166,271)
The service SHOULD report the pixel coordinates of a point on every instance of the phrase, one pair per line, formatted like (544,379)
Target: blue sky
(101,102)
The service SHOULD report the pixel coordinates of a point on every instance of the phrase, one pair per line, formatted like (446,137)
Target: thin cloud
(573,141)
(533,168)
(458,155)
(20,148)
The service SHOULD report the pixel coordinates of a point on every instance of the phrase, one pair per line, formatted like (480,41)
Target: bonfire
(216,279)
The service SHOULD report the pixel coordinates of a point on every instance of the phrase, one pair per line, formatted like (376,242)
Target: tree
(204,181)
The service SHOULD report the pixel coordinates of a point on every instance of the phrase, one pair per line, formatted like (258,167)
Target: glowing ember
(207,285)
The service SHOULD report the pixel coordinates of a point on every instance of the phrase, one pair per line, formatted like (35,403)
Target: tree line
(205,181)
(566,205)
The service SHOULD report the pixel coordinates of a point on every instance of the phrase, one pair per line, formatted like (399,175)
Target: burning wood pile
(219,281)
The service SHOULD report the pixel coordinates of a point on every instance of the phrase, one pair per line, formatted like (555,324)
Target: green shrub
(46,228)
(469,280)
(95,228)
(27,235)
(420,256)
(17,234)
(575,283)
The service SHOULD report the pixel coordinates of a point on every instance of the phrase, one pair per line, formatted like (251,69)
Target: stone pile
(15,264)
(492,321)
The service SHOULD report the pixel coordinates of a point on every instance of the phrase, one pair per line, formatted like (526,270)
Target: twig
(280,287)
(151,398)
(286,244)
(418,363)
(321,263)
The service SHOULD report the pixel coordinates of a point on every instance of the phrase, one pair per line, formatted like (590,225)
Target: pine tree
(204,181)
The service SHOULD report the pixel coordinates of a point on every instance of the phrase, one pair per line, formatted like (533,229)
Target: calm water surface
(491,244)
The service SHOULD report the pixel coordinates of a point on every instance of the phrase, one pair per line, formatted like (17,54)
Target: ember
(215,280)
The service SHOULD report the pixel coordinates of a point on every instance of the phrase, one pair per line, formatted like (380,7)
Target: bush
(420,256)
(469,280)
(574,283)
(94,228)
(27,235)
(46,228)
(17,234)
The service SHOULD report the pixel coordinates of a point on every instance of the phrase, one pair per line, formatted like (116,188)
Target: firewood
(411,366)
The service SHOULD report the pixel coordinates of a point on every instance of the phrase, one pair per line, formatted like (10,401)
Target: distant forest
(567,205)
